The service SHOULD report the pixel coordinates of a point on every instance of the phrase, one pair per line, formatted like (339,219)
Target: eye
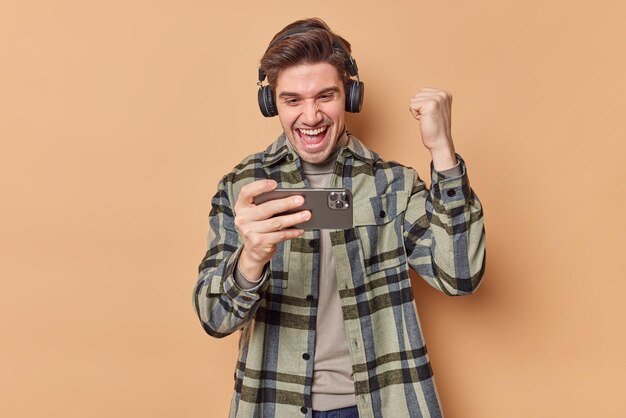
(327,97)
(292,102)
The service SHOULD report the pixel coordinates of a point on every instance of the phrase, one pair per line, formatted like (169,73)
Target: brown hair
(306,41)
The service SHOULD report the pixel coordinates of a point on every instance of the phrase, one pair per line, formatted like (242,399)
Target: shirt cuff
(242,281)
(451,192)
(249,285)
(244,298)
(453,171)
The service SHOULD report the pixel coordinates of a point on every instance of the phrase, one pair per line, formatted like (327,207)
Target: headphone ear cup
(266,102)
(354,96)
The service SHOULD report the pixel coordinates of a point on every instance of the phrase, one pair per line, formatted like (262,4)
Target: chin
(314,158)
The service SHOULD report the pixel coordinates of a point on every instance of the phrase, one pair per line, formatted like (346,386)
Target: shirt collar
(357,149)
(277,151)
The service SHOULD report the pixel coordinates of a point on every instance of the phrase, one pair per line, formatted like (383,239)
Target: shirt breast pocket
(378,224)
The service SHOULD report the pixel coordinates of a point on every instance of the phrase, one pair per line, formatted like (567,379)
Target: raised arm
(444,227)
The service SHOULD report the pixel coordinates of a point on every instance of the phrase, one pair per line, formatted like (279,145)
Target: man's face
(310,100)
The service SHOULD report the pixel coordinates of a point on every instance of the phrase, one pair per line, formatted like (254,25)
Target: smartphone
(331,208)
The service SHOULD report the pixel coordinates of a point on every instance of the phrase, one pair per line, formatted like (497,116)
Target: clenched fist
(433,108)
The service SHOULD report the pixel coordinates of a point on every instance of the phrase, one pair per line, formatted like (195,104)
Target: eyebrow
(324,91)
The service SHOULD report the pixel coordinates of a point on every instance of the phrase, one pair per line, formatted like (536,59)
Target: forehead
(308,79)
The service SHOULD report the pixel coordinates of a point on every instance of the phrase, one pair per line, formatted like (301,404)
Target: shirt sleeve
(249,285)
(444,232)
(221,303)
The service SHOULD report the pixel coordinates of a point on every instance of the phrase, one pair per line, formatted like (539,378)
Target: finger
(269,240)
(419,102)
(282,222)
(428,96)
(430,101)
(284,235)
(422,106)
(251,190)
(273,207)
(248,217)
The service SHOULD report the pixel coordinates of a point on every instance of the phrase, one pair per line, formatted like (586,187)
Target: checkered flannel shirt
(398,223)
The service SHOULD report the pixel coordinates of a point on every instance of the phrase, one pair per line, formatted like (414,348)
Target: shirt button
(303,409)
(306,356)
(309,298)
(289,157)
(451,192)
(382,214)
(312,243)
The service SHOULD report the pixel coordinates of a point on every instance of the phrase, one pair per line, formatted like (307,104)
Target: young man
(327,317)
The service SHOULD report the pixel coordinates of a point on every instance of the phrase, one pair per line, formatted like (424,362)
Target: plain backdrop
(118,118)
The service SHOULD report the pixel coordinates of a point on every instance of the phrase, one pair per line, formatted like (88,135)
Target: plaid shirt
(398,223)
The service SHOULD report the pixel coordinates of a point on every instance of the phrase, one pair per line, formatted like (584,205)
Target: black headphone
(354,89)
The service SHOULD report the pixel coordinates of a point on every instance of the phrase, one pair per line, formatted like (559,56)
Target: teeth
(311,132)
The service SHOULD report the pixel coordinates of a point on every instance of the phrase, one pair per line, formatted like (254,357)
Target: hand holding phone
(261,226)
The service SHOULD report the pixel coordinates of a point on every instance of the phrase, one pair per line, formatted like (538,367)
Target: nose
(311,114)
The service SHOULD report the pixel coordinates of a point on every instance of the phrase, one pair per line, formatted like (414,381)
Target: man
(327,318)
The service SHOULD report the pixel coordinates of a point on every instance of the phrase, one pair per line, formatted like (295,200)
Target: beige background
(118,118)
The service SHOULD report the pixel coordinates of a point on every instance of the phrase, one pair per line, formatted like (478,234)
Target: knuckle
(265,211)
(244,191)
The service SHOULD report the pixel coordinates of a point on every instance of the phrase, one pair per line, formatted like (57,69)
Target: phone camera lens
(333,197)
(339,205)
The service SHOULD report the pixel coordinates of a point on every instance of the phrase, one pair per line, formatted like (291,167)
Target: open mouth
(313,138)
